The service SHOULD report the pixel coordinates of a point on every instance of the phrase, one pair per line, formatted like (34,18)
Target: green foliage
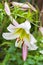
(9,54)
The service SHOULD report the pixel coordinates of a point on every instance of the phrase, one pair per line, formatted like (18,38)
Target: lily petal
(32,47)
(10,36)
(32,39)
(7,9)
(30,43)
(10,28)
(14,21)
(26,25)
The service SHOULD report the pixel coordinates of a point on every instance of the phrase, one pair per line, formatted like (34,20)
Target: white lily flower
(41,30)
(22,32)
(41,51)
(24,6)
(20,5)
(7,9)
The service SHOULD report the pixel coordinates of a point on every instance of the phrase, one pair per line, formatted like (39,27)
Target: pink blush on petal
(24,52)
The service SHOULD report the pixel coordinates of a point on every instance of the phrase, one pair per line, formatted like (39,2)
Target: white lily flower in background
(41,51)
(41,30)
(24,6)
(21,31)
(7,9)
(20,5)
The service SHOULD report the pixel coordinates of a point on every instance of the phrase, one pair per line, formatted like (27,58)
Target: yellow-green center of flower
(22,33)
